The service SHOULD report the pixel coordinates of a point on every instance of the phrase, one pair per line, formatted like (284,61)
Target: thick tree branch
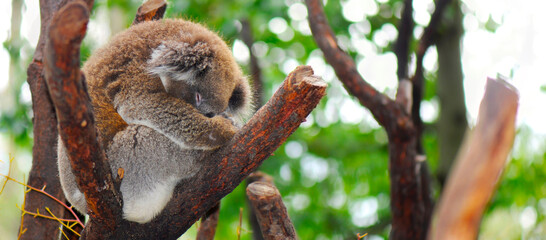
(150,10)
(76,124)
(481,160)
(270,211)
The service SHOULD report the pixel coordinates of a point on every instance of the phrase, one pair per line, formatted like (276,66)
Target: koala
(164,93)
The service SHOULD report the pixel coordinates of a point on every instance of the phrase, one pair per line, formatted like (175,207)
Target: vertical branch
(426,40)
(76,123)
(479,164)
(452,123)
(255,70)
(401,47)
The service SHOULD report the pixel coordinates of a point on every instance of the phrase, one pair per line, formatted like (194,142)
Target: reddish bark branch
(267,203)
(481,160)
(76,124)
(150,10)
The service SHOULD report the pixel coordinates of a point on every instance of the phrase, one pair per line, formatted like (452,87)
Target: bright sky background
(515,49)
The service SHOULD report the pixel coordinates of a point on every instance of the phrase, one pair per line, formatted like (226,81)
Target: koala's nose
(210,114)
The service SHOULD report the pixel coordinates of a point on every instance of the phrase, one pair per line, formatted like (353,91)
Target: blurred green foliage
(332,173)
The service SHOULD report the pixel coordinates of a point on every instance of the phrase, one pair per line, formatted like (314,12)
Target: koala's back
(122,64)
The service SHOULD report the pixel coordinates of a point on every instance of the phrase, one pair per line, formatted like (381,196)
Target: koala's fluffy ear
(180,61)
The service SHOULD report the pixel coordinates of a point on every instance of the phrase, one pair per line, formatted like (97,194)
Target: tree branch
(150,10)
(270,211)
(401,47)
(76,124)
(481,160)
(425,42)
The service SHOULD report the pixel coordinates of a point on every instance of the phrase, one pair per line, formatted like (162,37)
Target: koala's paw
(224,131)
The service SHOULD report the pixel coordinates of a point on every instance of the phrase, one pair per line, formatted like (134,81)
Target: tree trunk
(452,123)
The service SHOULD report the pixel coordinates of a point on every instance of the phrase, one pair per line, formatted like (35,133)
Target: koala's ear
(180,61)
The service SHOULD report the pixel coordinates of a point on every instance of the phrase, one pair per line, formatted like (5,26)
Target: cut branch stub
(150,10)
(267,203)
(76,125)
(479,164)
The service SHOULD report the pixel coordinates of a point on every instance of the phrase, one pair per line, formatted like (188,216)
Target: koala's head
(203,73)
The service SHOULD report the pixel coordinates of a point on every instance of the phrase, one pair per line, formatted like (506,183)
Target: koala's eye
(198,99)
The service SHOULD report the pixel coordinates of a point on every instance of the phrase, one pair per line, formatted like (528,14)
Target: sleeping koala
(164,93)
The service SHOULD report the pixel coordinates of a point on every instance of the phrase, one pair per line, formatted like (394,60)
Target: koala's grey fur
(163,94)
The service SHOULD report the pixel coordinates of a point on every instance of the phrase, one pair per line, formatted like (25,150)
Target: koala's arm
(175,119)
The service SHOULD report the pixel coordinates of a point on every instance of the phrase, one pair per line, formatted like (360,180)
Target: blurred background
(332,172)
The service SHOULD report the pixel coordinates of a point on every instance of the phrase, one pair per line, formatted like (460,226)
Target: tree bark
(479,165)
